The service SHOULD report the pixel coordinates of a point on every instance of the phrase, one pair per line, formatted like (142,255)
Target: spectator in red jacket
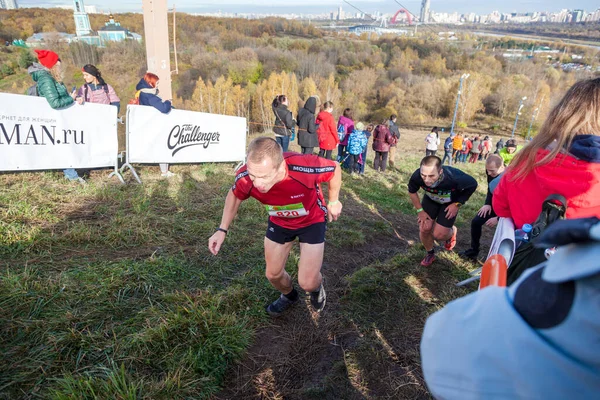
(564,158)
(327,132)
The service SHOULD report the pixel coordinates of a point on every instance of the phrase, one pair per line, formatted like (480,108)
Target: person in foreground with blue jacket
(147,95)
(536,339)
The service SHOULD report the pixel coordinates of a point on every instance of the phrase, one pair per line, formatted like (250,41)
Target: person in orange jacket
(457,143)
(327,133)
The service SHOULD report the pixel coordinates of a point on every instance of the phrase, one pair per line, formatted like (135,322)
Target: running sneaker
(450,243)
(428,260)
(276,308)
(469,254)
(318,299)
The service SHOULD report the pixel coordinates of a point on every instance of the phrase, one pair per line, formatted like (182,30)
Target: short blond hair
(264,147)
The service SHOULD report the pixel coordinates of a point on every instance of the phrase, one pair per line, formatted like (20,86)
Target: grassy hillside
(108,291)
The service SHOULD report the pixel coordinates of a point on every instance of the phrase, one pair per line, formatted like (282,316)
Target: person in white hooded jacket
(432,141)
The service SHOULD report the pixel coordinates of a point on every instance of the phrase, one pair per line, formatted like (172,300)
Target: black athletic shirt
(455,187)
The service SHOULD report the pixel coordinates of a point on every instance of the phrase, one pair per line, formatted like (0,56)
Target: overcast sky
(320,6)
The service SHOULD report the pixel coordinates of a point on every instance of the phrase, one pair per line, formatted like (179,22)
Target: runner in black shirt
(446,190)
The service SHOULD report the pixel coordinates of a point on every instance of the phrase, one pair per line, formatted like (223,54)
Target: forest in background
(237,66)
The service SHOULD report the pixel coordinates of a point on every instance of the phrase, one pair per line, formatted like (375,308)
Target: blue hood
(142,84)
(586,148)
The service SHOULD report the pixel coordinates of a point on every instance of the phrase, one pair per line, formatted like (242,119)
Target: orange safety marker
(493,272)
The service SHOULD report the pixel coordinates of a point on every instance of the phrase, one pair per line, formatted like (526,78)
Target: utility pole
(462,78)
(156,37)
(517,117)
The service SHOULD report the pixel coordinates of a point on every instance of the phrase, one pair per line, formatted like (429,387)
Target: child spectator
(327,132)
(357,143)
(147,93)
(395,131)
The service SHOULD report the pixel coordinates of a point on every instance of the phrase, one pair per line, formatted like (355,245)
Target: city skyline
(324,6)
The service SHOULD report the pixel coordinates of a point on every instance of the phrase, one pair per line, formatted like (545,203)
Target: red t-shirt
(297,201)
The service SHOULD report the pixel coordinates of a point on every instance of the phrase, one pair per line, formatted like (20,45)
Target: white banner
(33,136)
(183,136)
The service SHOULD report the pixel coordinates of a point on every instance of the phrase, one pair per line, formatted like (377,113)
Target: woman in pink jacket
(328,137)
(348,124)
(95,90)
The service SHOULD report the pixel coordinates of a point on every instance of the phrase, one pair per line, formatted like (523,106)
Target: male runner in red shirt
(289,186)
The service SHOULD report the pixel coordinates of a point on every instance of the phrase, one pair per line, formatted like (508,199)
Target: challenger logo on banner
(183,136)
(188,135)
(33,136)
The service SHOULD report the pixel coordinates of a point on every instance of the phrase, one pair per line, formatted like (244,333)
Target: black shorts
(437,212)
(312,234)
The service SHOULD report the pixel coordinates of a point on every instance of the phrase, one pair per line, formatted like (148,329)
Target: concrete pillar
(156,37)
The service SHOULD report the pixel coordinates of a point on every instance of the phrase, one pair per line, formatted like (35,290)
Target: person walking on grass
(448,149)
(284,122)
(327,132)
(395,131)
(494,168)
(307,127)
(289,185)
(475,150)
(432,141)
(446,190)
(457,145)
(382,140)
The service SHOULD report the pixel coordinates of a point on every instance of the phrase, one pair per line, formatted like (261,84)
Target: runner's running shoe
(450,243)
(276,308)
(318,299)
(428,260)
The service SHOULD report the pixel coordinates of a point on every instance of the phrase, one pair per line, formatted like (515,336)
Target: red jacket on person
(327,132)
(577,180)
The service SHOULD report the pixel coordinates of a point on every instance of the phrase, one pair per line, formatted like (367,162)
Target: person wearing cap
(357,143)
(47,75)
(509,151)
(95,89)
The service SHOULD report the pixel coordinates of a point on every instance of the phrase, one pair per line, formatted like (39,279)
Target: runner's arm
(467,185)
(334,206)
(232,204)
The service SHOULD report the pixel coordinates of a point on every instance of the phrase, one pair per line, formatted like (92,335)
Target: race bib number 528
(288,211)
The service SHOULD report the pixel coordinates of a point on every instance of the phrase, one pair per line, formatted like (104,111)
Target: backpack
(464,145)
(136,98)
(341,132)
(32,90)
(105,87)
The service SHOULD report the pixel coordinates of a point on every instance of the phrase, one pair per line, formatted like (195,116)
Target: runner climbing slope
(288,184)
(446,190)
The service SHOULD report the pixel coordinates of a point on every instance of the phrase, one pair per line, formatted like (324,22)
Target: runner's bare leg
(276,256)
(309,266)
(426,230)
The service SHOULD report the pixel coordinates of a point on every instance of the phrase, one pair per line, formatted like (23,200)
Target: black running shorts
(312,234)
(437,212)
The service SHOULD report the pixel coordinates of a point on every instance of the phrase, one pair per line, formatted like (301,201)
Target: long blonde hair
(56,72)
(577,113)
